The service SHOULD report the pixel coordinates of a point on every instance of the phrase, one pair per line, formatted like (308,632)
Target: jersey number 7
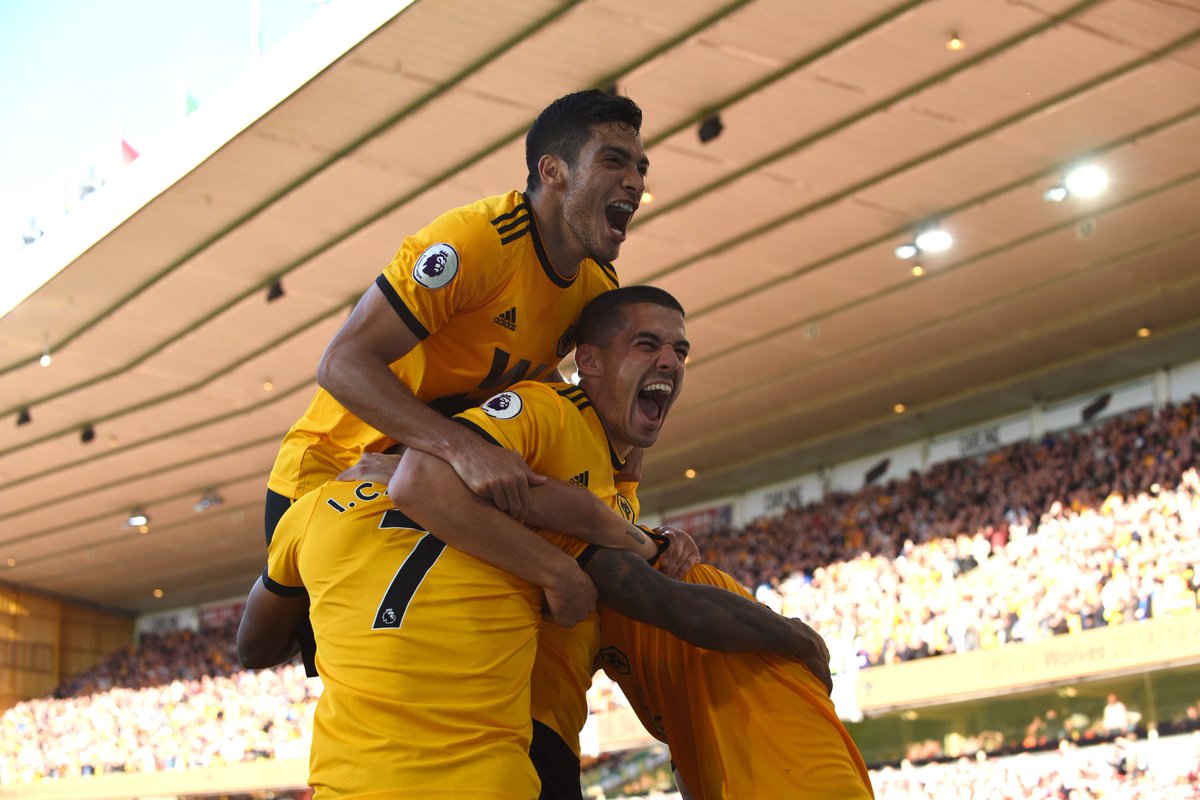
(408,578)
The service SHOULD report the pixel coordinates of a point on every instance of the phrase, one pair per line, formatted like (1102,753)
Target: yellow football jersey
(478,290)
(740,725)
(556,429)
(424,651)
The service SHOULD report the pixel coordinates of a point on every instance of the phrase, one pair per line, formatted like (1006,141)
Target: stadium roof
(848,125)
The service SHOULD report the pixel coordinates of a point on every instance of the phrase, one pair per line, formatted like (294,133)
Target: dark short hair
(603,316)
(563,127)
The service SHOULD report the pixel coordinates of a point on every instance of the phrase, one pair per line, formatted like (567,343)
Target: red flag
(128,154)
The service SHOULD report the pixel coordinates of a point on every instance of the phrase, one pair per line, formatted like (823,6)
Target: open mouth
(652,400)
(618,214)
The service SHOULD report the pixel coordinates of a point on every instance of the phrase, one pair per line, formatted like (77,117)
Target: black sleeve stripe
(583,558)
(518,221)
(274,587)
(512,237)
(510,214)
(401,308)
(578,397)
(469,424)
(570,392)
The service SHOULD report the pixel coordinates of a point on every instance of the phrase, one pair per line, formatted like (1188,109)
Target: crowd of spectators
(160,658)
(1070,532)
(1127,768)
(1012,486)
(1069,723)
(149,709)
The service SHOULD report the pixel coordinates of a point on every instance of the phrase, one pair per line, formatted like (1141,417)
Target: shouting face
(603,190)
(634,379)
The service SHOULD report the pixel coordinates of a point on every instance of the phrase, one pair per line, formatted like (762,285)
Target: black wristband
(583,558)
(662,541)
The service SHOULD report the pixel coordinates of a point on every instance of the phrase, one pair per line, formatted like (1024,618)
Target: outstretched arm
(704,616)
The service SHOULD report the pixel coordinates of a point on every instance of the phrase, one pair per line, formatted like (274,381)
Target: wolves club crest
(615,660)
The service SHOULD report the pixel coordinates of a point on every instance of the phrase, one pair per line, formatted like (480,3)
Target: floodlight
(1086,181)
(934,240)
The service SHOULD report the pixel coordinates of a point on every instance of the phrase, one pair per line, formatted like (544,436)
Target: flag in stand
(128,154)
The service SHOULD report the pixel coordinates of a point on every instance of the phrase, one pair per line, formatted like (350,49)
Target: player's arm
(556,505)
(427,489)
(266,636)
(559,506)
(681,554)
(704,616)
(355,369)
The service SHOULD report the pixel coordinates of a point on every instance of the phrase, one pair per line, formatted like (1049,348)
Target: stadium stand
(1163,769)
(1129,768)
(179,701)
(161,658)
(941,562)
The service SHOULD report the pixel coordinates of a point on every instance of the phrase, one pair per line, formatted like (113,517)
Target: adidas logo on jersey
(508,319)
(580,479)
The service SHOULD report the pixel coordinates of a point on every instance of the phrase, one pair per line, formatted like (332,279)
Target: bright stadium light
(1055,194)
(1088,180)
(934,240)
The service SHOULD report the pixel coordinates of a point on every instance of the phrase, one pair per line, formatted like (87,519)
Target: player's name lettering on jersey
(502,377)
(581,479)
(507,319)
(366,492)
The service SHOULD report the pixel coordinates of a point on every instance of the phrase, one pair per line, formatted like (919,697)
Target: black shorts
(274,510)
(556,764)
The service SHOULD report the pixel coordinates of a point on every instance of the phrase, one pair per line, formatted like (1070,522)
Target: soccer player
(631,353)
(484,296)
(740,725)
(425,652)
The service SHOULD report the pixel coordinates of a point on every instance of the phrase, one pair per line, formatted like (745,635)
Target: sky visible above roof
(78,78)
